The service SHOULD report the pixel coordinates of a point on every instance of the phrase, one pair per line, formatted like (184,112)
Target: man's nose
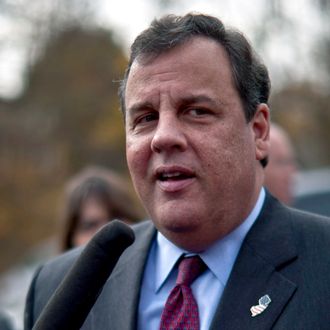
(169,134)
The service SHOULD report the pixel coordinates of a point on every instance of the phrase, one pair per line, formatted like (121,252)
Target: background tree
(67,117)
(300,104)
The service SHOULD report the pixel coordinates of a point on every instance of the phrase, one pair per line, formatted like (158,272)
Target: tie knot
(189,269)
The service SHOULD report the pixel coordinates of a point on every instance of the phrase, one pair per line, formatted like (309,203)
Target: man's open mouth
(173,176)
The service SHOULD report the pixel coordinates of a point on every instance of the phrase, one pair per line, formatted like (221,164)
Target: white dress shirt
(160,274)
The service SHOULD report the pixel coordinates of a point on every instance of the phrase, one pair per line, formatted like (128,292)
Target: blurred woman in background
(94,197)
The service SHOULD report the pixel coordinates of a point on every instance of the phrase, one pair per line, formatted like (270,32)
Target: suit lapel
(117,305)
(267,249)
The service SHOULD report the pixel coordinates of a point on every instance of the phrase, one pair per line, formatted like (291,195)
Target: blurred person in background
(282,167)
(93,197)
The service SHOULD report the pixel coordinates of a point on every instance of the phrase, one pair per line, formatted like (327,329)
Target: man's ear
(260,126)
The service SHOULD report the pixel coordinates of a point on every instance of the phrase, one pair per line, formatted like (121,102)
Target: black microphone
(73,299)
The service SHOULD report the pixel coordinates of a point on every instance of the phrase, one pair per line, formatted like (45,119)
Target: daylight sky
(127,18)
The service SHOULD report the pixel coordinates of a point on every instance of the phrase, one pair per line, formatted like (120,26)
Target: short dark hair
(250,74)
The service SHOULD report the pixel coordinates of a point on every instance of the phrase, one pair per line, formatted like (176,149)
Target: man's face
(192,156)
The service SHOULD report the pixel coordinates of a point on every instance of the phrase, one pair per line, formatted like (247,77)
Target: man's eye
(198,112)
(147,118)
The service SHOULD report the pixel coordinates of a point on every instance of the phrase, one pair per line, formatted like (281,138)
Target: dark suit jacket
(286,255)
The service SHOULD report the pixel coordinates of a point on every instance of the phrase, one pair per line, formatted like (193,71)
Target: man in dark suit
(195,99)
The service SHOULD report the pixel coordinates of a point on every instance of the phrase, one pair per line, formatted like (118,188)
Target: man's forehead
(193,63)
(198,52)
(201,43)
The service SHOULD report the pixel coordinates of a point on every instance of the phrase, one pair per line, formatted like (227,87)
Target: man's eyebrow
(140,106)
(199,99)
(186,100)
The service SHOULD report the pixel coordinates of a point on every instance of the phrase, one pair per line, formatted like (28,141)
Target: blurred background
(60,63)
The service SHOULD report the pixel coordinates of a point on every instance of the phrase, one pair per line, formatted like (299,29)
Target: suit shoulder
(56,268)
(311,232)
(300,221)
(309,221)
(45,281)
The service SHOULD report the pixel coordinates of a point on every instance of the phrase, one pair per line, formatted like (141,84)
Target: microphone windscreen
(73,299)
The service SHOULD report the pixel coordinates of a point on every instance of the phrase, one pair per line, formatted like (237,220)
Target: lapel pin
(264,301)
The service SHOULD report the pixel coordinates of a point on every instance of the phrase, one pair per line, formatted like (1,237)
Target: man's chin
(185,238)
(177,225)
(177,230)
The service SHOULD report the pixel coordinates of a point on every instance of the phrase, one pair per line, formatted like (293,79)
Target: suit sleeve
(29,317)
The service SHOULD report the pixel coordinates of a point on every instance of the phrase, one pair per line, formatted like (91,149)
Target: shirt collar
(219,258)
